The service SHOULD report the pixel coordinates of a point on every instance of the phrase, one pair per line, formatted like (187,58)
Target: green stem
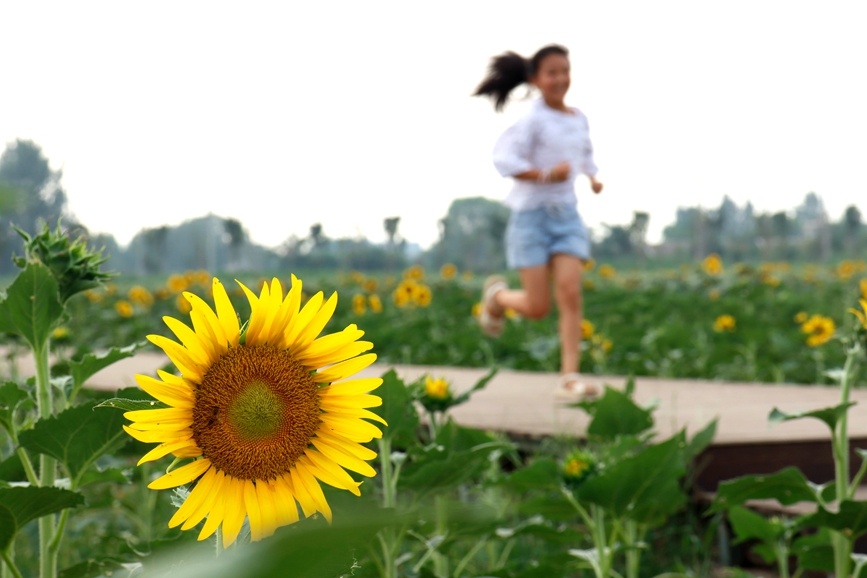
(601,542)
(47,464)
(385,463)
(54,546)
(27,464)
(219,541)
(459,569)
(11,565)
(782,558)
(633,555)
(840,442)
(441,563)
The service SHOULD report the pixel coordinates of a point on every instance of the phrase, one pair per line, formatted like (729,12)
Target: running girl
(546,240)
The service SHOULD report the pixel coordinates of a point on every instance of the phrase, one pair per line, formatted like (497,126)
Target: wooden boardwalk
(522,404)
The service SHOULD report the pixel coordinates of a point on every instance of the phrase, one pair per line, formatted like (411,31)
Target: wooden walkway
(522,404)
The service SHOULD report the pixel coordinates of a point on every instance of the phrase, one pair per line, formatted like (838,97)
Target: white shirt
(542,139)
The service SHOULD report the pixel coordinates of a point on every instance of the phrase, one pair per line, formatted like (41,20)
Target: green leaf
(700,441)
(749,525)
(28,503)
(788,486)
(850,520)
(131,404)
(92,568)
(8,526)
(92,363)
(644,487)
(77,437)
(554,507)
(479,385)
(829,415)
(397,410)
(12,470)
(542,474)
(615,414)
(31,306)
(10,397)
(815,551)
(96,476)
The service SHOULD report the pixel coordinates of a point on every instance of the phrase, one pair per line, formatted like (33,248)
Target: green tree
(471,235)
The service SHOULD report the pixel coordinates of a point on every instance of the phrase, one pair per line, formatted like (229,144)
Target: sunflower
(819,329)
(724,323)
(712,264)
(259,411)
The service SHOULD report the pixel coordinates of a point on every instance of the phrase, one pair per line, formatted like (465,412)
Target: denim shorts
(533,236)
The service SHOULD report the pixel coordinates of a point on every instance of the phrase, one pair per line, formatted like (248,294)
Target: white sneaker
(491,325)
(571,387)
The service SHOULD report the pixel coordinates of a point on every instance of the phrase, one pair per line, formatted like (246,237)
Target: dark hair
(510,70)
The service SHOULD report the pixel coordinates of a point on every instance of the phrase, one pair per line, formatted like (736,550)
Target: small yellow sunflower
(436,388)
(862,284)
(587,329)
(606,271)
(422,295)
(140,296)
(712,264)
(820,330)
(724,323)
(416,272)
(359,304)
(124,308)
(375,303)
(261,413)
(448,271)
(861,315)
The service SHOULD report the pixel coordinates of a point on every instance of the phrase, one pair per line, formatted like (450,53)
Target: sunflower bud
(577,467)
(72,264)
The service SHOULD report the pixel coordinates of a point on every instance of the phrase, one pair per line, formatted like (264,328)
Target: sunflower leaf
(788,486)
(131,404)
(397,410)
(77,437)
(829,415)
(18,506)
(10,397)
(92,363)
(31,306)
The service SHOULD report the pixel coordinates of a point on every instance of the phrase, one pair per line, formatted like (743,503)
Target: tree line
(470,234)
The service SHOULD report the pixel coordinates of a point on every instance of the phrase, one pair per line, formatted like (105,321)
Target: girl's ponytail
(506,72)
(510,70)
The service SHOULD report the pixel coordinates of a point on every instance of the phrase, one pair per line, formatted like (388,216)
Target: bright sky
(284,114)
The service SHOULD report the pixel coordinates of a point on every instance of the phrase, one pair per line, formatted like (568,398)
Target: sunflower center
(255,412)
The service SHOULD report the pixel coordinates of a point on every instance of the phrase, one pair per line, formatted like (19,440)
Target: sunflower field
(256,451)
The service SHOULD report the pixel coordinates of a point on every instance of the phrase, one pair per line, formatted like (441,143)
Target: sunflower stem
(10,564)
(219,540)
(47,464)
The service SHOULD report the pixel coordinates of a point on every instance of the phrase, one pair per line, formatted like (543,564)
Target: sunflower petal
(236,511)
(314,490)
(354,448)
(169,394)
(190,340)
(317,323)
(176,380)
(154,436)
(329,472)
(357,401)
(159,415)
(329,343)
(342,354)
(344,369)
(351,387)
(310,309)
(218,512)
(197,495)
(165,449)
(206,503)
(179,356)
(351,428)
(342,458)
(182,475)
(267,507)
(356,412)
(254,512)
(284,500)
(226,313)
(302,494)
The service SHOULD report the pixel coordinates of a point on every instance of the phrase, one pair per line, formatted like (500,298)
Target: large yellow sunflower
(259,411)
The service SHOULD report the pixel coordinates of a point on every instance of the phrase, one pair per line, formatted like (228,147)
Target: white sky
(283,114)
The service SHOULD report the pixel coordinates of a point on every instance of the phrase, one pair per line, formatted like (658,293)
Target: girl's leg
(534,300)
(567,270)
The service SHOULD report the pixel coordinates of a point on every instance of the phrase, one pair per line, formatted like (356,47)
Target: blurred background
(212,136)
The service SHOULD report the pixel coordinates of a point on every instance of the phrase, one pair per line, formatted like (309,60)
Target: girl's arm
(556,175)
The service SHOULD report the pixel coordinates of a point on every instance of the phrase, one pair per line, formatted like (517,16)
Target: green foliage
(829,415)
(21,505)
(850,519)
(74,267)
(92,363)
(397,410)
(788,486)
(31,307)
(615,414)
(10,397)
(76,437)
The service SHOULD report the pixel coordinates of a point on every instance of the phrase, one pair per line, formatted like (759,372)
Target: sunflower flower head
(819,330)
(437,394)
(448,271)
(577,466)
(801,317)
(264,415)
(359,304)
(712,264)
(725,323)
(375,303)
(124,308)
(587,329)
